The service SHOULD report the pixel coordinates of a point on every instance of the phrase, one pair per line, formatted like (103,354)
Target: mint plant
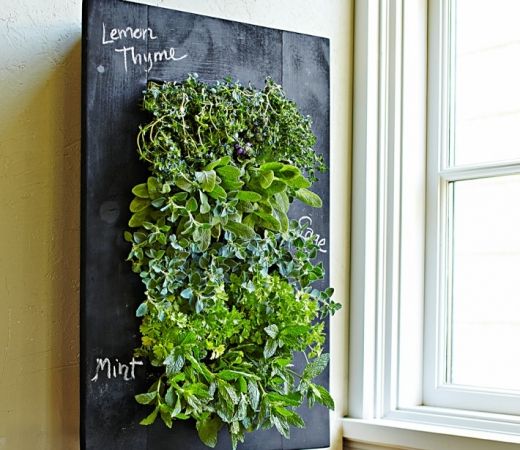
(228,278)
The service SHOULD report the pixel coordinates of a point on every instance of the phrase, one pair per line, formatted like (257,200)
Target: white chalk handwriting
(131,53)
(321,242)
(115,369)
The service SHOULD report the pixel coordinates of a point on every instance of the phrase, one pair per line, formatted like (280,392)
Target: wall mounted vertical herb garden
(228,278)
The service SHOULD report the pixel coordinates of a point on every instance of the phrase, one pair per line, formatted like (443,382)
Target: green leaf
(200,367)
(158,202)
(180,196)
(272,330)
(166,415)
(189,338)
(324,397)
(295,330)
(281,425)
(204,205)
(283,219)
(250,220)
(283,362)
(207,179)
(174,363)
(170,396)
(268,220)
(215,231)
(288,172)
(270,348)
(266,178)
(138,219)
(297,182)
(187,293)
(128,236)
(276,187)
(183,183)
(138,204)
(198,389)
(208,430)
(228,393)
(141,190)
(240,230)
(254,394)
(243,385)
(309,198)
(294,419)
(231,185)
(154,187)
(205,239)
(235,439)
(293,399)
(177,408)
(219,162)
(191,204)
(139,237)
(218,193)
(148,420)
(280,201)
(249,196)
(145,399)
(232,375)
(229,172)
(273,165)
(315,367)
(229,375)
(142,310)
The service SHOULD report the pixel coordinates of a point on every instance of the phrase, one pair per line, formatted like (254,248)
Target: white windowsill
(411,435)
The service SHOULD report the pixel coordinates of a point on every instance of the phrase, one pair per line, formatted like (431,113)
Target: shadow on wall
(65,357)
(39,262)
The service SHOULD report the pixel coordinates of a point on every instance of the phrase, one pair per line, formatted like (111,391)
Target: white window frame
(437,392)
(389,228)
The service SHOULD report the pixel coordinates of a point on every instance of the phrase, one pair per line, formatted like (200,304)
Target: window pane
(485,346)
(487,81)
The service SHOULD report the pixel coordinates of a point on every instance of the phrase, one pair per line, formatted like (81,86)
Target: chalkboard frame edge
(83,228)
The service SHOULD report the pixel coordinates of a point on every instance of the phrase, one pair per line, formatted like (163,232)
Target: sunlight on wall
(39,229)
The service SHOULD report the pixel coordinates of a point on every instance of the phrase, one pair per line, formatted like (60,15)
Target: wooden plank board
(305,79)
(108,328)
(120,41)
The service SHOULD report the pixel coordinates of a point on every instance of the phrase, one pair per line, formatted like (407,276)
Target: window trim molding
(362,383)
(414,435)
(387,169)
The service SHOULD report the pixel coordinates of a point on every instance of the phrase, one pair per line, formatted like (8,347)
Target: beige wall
(39,201)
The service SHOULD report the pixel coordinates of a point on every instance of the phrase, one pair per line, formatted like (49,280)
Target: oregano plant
(228,278)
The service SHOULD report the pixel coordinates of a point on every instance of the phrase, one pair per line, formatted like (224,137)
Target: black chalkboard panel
(124,46)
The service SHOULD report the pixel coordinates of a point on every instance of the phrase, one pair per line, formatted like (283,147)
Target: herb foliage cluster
(228,278)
